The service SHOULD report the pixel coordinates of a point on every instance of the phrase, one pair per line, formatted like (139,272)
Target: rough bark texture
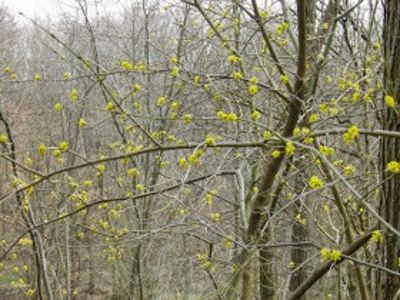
(390,147)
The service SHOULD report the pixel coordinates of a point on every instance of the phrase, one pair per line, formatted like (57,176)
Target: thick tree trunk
(390,147)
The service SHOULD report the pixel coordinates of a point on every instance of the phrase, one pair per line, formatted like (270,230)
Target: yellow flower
(109,106)
(73,95)
(136,87)
(315,182)
(42,149)
(393,167)
(281,28)
(63,146)
(376,236)
(216,217)
(290,149)
(350,135)
(3,138)
(37,77)
(127,65)
(174,105)
(81,123)
(30,293)
(237,75)
(140,187)
(58,107)
(7,70)
(229,242)
(313,118)
(336,255)
(276,153)
(183,163)
(161,101)
(390,101)
(325,253)
(253,80)
(266,135)
(210,140)
(327,151)
(132,172)
(25,242)
(255,116)
(187,118)
(175,72)
(308,140)
(284,79)
(232,59)
(67,76)
(252,89)
(349,170)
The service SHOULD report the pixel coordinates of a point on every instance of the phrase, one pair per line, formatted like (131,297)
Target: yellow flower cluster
(350,135)
(290,149)
(376,236)
(315,182)
(232,59)
(390,101)
(205,261)
(328,254)
(393,167)
(229,117)
(327,151)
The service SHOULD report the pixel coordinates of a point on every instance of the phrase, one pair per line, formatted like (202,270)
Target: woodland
(201,149)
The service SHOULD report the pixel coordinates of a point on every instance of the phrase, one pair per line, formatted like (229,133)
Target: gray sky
(32,7)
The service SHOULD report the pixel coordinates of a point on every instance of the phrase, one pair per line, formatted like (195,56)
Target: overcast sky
(32,7)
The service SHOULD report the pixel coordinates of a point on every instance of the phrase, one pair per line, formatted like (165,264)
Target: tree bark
(390,147)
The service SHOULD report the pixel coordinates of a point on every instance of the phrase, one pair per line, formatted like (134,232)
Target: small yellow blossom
(109,106)
(393,167)
(390,101)
(315,182)
(266,134)
(37,77)
(210,140)
(276,153)
(216,217)
(232,59)
(132,172)
(290,149)
(81,122)
(237,75)
(136,87)
(313,118)
(376,236)
(350,135)
(255,116)
(284,79)
(25,242)
(42,149)
(58,107)
(73,95)
(161,101)
(183,163)
(349,170)
(63,146)
(187,118)
(175,71)
(252,89)
(3,138)
(327,151)
(127,65)
(175,105)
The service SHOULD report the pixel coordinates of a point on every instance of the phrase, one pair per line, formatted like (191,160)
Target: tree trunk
(390,147)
